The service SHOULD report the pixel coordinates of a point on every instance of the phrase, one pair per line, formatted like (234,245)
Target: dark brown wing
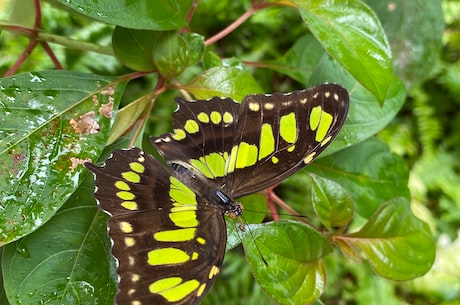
(168,242)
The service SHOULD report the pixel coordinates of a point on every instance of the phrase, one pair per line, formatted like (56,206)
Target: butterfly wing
(169,244)
(279,134)
(203,134)
(258,143)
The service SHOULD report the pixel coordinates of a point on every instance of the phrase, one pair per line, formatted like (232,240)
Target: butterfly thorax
(205,188)
(232,208)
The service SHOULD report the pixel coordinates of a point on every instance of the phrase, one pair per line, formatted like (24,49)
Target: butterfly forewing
(202,137)
(279,134)
(168,242)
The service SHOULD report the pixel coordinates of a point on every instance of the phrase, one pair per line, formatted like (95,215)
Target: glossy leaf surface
(286,259)
(397,244)
(67,261)
(159,15)
(369,172)
(331,202)
(352,34)
(50,122)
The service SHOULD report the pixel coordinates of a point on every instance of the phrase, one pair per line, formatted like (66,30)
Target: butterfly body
(167,223)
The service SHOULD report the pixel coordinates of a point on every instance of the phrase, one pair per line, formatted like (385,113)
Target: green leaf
(286,259)
(195,46)
(369,172)
(398,245)
(171,54)
(50,123)
(223,81)
(134,48)
(163,15)
(352,35)
(211,59)
(415,31)
(67,261)
(301,59)
(331,202)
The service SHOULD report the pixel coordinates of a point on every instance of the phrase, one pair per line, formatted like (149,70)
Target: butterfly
(167,223)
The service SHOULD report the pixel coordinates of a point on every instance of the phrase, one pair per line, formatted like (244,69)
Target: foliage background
(424,133)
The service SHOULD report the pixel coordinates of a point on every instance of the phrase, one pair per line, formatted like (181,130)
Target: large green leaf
(331,202)
(134,48)
(414,29)
(352,35)
(302,59)
(286,259)
(368,171)
(67,261)
(159,15)
(397,244)
(49,123)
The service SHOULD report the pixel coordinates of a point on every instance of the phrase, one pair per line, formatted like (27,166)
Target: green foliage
(357,198)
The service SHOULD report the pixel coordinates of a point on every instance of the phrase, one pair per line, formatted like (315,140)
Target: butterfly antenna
(243,224)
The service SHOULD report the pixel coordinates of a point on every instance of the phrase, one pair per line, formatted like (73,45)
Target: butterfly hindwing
(159,228)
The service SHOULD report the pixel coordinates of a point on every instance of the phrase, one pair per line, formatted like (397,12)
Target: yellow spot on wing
(269,106)
(191,126)
(124,195)
(179,134)
(228,117)
(216,117)
(195,255)
(126,227)
(246,155)
(129,205)
(203,117)
(253,106)
(173,289)
(184,219)
(201,290)
(178,235)
(137,167)
(121,185)
(131,177)
(167,256)
(288,127)
(212,165)
(267,141)
(129,241)
(325,141)
(320,121)
(213,272)
(180,193)
(309,158)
